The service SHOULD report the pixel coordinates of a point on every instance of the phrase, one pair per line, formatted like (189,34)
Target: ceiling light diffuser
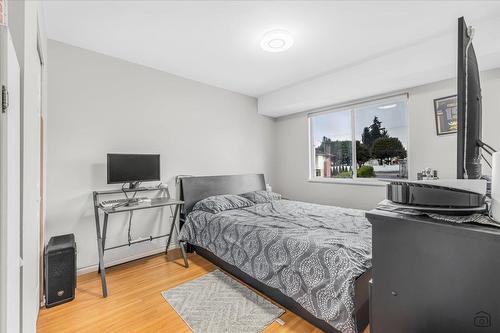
(276,41)
(390,106)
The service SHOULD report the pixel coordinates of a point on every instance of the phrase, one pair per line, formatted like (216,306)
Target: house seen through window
(362,141)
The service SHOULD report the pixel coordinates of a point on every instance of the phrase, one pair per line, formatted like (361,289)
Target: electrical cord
(125,192)
(131,213)
(129,234)
(487,162)
(486,147)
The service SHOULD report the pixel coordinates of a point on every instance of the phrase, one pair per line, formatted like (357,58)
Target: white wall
(10,187)
(428,60)
(27,26)
(439,152)
(99,104)
(291,171)
(426,149)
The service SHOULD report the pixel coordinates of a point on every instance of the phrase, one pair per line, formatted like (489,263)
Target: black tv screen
(128,168)
(469,107)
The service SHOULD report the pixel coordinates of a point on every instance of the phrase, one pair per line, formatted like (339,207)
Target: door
(41,210)
(10,183)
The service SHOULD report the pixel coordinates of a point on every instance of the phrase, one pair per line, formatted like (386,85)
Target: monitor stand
(133,185)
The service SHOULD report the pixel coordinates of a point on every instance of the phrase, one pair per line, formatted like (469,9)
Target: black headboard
(194,189)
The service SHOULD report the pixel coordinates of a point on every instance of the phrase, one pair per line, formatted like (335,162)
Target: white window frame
(352,107)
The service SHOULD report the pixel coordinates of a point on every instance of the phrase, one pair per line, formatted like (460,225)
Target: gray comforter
(311,253)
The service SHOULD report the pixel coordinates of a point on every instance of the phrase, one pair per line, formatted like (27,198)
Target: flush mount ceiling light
(390,106)
(276,41)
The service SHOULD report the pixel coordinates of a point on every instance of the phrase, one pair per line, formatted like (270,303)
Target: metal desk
(101,236)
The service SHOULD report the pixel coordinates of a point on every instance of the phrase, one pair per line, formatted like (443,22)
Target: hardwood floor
(135,304)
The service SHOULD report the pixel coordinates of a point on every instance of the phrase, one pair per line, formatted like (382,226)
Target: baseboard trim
(93,268)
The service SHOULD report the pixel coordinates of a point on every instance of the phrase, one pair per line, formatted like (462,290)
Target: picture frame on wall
(445,112)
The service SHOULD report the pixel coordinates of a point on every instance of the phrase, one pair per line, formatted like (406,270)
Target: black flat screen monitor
(468,107)
(133,168)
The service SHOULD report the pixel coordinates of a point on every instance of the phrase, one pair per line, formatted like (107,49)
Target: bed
(314,260)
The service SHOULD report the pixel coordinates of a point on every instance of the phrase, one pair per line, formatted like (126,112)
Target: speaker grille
(60,276)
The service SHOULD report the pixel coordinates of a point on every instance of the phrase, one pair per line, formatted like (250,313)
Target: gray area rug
(217,303)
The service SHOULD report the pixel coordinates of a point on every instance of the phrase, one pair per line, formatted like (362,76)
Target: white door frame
(10,187)
(42,166)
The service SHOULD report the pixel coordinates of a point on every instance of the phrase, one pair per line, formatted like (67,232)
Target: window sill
(344,181)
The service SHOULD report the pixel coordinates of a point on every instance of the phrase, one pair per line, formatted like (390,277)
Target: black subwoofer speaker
(60,270)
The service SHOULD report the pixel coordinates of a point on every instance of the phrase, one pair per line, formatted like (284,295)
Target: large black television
(469,108)
(133,168)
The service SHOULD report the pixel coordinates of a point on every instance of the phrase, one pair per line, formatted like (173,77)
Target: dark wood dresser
(431,276)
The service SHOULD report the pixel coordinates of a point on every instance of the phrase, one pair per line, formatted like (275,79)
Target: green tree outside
(384,149)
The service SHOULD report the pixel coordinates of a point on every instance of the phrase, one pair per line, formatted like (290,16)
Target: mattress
(311,253)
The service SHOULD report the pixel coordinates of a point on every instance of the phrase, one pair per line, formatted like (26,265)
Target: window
(368,140)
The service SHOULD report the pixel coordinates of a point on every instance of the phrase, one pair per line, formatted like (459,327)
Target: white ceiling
(217,42)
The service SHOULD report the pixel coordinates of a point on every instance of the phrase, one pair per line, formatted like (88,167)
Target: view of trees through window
(380,134)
